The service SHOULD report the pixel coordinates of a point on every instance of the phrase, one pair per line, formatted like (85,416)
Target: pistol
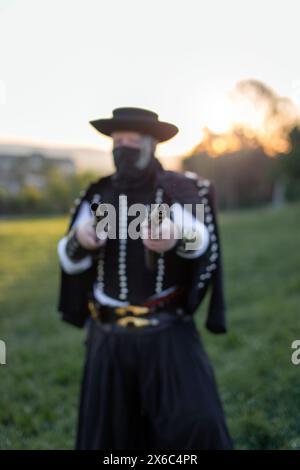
(155,219)
(99,212)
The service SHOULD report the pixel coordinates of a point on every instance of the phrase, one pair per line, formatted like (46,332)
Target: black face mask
(129,163)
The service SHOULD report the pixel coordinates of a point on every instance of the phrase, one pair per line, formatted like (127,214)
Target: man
(147,381)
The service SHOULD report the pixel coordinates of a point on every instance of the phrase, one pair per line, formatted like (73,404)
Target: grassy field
(260,387)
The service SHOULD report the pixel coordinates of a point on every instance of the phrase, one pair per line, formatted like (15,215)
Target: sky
(63,63)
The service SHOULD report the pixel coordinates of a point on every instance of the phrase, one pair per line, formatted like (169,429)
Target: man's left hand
(162,238)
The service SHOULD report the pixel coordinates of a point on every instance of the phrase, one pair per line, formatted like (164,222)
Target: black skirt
(149,389)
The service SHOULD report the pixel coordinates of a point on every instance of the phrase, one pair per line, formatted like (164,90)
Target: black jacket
(205,272)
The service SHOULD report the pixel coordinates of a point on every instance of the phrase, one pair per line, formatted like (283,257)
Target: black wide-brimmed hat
(138,120)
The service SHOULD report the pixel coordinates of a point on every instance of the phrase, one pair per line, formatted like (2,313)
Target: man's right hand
(86,235)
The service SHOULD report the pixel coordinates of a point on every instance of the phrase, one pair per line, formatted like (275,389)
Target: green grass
(259,386)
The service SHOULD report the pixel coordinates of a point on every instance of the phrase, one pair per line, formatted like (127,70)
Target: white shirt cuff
(69,266)
(188,224)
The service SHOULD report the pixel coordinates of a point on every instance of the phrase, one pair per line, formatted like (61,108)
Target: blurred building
(19,169)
